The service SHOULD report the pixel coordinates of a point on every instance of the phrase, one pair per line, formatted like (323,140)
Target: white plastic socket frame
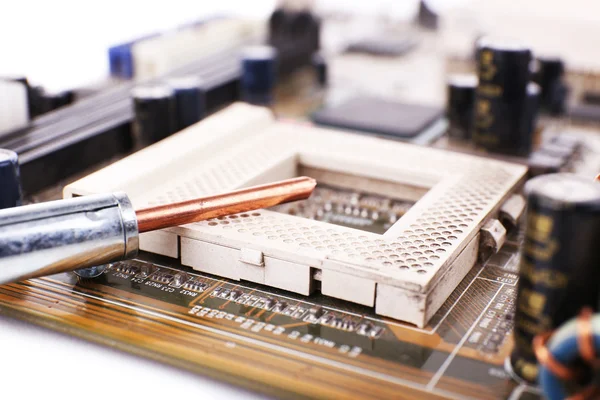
(406,273)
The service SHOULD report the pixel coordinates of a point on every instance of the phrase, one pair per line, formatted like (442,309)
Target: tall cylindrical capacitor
(190,100)
(459,105)
(559,270)
(531,110)
(10,181)
(501,97)
(259,74)
(155,116)
(549,77)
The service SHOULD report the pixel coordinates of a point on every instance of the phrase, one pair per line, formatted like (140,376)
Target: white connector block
(159,55)
(14,109)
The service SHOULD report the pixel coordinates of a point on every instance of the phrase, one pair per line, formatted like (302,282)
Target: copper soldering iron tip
(242,200)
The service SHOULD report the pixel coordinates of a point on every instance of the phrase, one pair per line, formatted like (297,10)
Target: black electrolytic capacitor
(559,273)
(259,74)
(550,78)
(155,113)
(10,181)
(190,100)
(530,115)
(501,97)
(459,105)
(320,67)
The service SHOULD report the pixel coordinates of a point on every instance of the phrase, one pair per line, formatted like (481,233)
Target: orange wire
(585,344)
(546,359)
(585,337)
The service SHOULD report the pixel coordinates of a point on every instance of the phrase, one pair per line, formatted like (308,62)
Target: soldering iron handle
(64,235)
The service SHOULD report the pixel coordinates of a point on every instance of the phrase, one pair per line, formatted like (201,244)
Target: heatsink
(406,273)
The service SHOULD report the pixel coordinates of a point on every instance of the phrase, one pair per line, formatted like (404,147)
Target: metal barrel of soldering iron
(48,238)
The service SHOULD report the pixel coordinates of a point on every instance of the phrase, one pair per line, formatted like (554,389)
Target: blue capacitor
(10,181)
(190,100)
(259,74)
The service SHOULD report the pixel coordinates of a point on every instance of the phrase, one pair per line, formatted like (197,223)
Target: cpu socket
(406,273)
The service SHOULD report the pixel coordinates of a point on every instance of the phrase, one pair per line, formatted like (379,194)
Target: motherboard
(284,344)
(397,278)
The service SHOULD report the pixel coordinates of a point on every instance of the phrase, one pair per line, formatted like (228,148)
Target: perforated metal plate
(406,273)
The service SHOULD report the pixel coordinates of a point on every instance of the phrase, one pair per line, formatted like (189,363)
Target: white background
(63,44)
(35,362)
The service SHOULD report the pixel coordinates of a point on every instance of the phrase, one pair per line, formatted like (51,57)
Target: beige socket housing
(406,273)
